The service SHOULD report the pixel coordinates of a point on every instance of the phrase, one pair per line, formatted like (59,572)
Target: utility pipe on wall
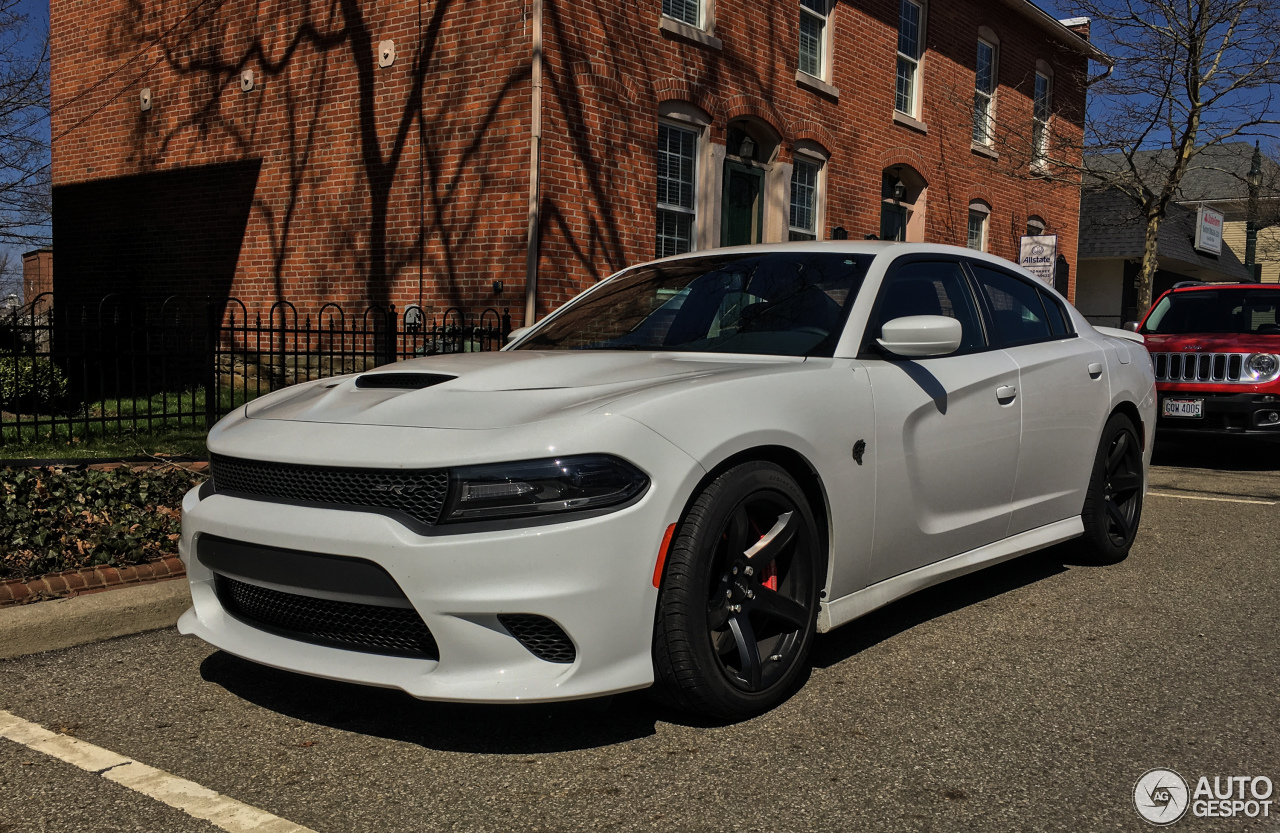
(535,184)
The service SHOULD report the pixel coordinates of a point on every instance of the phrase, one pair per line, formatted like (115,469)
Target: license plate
(1193,408)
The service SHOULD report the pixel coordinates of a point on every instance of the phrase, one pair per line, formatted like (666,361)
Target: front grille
(395,631)
(545,639)
(417,493)
(1219,368)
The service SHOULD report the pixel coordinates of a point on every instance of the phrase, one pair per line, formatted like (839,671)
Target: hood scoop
(401,381)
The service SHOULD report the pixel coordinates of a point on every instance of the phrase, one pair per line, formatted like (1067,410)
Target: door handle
(1006,393)
(1095,370)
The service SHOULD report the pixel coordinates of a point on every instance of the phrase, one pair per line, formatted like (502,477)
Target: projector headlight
(1262,367)
(532,488)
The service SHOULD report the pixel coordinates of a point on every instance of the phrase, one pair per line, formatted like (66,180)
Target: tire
(738,605)
(1113,504)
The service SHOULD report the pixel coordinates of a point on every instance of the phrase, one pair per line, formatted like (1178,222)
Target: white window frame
(982,211)
(1041,127)
(703,16)
(808,153)
(987,97)
(914,61)
(691,210)
(824,42)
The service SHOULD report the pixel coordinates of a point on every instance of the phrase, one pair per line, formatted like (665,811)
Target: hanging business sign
(1208,231)
(1039,255)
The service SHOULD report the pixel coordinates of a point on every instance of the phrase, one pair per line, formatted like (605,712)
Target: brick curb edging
(88,580)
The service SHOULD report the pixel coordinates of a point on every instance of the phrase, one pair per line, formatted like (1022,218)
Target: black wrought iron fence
(119,368)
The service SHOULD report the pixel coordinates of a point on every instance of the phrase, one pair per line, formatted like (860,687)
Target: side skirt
(835,613)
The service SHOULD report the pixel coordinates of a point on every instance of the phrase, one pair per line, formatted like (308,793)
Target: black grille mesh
(397,631)
(417,493)
(544,638)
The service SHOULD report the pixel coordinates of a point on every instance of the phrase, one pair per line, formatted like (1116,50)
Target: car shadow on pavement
(450,727)
(900,616)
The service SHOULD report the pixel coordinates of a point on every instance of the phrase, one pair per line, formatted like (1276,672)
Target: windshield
(1216,311)
(780,304)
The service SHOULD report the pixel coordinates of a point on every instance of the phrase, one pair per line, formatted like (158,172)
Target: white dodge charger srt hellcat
(674,481)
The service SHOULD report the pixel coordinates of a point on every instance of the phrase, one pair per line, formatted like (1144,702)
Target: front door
(893,221)
(742,211)
(947,429)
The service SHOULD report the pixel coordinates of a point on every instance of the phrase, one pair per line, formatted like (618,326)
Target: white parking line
(188,796)
(1217,499)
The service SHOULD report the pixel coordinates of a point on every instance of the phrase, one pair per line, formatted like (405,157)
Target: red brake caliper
(770,577)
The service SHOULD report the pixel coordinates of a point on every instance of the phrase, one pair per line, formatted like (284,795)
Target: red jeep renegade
(1216,351)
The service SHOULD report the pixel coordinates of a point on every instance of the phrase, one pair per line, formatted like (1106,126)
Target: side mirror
(1132,326)
(516,333)
(921,336)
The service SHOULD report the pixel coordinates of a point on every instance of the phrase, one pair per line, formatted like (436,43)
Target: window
(929,288)
(979,212)
(677,150)
(780,303)
(1040,118)
(1035,226)
(908,56)
(804,200)
(1016,310)
(984,89)
(685,11)
(813,35)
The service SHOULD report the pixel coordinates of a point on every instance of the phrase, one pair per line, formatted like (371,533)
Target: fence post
(506,323)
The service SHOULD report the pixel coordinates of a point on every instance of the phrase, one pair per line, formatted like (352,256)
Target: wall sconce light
(899,189)
(144,99)
(748,148)
(386,53)
(246,81)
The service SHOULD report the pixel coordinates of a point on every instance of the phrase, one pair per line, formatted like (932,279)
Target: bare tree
(24,125)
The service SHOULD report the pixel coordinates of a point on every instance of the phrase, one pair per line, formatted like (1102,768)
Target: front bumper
(591,576)
(1224,413)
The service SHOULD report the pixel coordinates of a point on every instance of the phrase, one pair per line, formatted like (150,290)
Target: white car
(673,481)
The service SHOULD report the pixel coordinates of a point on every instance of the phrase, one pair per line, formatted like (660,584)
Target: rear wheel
(739,597)
(1113,504)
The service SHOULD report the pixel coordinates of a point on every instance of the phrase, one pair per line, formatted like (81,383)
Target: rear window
(1216,311)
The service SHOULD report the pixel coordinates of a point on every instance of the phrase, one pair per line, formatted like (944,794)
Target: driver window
(929,288)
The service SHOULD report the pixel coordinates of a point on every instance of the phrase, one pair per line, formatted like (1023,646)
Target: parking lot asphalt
(1030,696)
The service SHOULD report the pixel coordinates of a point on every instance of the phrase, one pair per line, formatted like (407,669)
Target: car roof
(1237,286)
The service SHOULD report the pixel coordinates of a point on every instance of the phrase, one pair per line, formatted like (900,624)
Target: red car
(1216,351)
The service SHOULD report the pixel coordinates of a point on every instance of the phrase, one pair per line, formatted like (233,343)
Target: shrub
(30,382)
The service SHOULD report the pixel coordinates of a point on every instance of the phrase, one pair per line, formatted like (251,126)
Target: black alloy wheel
(1113,504)
(738,605)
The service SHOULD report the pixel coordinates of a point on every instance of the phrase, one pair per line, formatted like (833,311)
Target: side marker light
(662,555)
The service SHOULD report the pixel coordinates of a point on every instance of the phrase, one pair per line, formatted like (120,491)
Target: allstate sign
(1208,231)
(1039,255)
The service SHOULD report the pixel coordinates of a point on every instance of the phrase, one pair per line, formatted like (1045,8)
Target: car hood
(500,389)
(1213,343)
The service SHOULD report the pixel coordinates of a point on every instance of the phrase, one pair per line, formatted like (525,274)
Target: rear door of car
(1063,388)
(947,428)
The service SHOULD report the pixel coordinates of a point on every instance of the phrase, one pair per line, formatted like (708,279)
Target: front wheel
(1113,504)
(738,605)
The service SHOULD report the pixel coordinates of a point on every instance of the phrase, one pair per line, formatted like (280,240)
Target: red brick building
(402,151)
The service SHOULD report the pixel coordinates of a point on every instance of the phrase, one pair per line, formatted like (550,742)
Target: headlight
(1262,367)
(540,487)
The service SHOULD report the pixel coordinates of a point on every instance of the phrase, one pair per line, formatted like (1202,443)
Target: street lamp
(1251,220)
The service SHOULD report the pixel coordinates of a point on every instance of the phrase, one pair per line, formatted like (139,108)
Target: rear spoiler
(1127,335)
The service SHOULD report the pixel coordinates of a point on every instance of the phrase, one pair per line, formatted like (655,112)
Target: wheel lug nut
(750,594)
(735,571)
(776,658)
(728,594)
(750,571)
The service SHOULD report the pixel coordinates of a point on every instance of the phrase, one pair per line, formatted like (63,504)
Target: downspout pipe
(535,175)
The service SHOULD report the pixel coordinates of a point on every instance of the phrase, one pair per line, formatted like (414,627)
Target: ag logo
(1037,250)
(1160,796)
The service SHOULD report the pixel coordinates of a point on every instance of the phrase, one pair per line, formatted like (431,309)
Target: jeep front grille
(417,494)
(1218,368)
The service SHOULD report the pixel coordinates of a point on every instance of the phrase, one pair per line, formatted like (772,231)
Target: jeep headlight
(540,487)
(1262,367)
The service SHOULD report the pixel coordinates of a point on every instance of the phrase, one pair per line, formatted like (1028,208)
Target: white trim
(694,34)
(804,79)
(839,611)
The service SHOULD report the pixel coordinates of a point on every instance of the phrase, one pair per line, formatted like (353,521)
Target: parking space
(1030,696)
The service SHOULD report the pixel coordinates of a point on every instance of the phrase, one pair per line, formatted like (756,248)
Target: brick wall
(37,274)
(364,191)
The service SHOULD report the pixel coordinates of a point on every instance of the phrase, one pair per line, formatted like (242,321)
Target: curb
(88,580)
(50,626)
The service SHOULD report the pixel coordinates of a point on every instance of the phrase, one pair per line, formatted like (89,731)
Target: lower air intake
(545,639)
(394,631)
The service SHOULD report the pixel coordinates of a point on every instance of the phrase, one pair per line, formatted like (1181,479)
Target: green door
(742,211)
(893,221)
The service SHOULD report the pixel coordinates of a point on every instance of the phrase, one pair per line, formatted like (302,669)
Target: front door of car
(947,428)
(1062,382)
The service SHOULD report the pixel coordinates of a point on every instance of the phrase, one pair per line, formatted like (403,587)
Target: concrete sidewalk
(49,626)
